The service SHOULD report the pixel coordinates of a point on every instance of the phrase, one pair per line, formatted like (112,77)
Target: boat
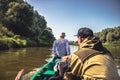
(46,71)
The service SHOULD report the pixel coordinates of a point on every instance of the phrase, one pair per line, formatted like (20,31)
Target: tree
(4,8)
(47,36)
(19,18)
(39,23)
(110,37)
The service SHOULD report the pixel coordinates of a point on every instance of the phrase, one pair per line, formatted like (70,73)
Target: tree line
(109,35)
(22,26)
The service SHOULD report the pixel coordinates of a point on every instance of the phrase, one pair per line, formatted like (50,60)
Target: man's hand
(65,58)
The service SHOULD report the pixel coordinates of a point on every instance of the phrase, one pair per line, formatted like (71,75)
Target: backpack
(59,74)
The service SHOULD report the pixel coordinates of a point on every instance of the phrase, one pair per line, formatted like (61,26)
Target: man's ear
(80,39)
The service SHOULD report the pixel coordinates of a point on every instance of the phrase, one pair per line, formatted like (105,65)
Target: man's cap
(62,34)
(84,32)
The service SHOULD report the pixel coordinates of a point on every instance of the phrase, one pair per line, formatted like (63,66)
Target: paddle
(20,75)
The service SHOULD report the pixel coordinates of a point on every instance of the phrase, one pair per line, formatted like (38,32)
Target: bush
(10,42)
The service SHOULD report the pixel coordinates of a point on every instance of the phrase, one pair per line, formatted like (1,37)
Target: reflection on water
(30,59)
(115,52)
(73,49)
(27,58)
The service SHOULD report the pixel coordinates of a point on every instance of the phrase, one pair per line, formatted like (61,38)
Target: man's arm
(54,48)
(67,47)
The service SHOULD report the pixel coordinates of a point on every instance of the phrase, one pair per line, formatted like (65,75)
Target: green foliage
(5,32)
(39,23)
(47,37)
(20,17)
(22,25)
(109,35)
(31,43)
(74,43)
(4,7)
(12,43)
(10,40)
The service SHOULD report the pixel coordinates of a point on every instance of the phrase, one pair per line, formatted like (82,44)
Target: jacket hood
(92,42)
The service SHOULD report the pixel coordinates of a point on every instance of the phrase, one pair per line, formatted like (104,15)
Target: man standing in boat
(92,61)
(61,46)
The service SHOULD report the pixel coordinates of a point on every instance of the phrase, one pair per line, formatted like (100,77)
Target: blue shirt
(61,47)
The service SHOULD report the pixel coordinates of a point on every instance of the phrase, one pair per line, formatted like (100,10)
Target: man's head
(84,33)
(62,35)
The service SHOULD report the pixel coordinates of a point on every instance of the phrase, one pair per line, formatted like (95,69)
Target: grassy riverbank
(111,44)
(9,39)
(104,44)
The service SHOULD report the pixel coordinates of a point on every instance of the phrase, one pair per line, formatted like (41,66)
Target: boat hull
(45,71)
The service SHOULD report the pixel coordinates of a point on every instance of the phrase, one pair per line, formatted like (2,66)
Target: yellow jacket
(100,66)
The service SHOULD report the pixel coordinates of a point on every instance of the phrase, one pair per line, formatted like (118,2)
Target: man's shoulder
(66,40)
(56,40)
(85,53)
(59,40)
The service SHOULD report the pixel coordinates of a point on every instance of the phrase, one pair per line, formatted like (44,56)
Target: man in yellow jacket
(92,61)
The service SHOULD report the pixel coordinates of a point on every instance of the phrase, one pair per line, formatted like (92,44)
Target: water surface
(30,59)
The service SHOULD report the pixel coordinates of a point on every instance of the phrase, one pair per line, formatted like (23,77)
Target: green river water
(30,59)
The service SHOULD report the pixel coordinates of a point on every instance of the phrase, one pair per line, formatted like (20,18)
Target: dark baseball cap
(84,32)
(62,34)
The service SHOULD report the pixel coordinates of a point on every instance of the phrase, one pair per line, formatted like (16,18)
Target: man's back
(100,66)
(61,46)
(96,67)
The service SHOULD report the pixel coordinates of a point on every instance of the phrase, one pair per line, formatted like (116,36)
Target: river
(30,59)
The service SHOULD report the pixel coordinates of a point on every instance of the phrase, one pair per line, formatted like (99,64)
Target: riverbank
(15,41)
(10,39)
(104,44)
(111,44)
